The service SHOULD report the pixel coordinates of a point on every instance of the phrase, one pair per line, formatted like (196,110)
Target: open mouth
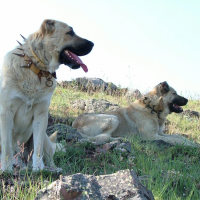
(178,108)
(72,60)
(175,108)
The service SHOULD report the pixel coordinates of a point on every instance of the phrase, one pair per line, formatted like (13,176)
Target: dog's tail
(53,137)
(57,146)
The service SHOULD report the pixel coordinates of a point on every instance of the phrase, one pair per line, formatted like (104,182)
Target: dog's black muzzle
(80,48)
(83,48)
(176,103)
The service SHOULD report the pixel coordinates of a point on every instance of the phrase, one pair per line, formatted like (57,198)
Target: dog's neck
(39,69)
(149,105)
(40,64)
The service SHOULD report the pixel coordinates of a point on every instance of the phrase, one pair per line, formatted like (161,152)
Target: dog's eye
(70,33)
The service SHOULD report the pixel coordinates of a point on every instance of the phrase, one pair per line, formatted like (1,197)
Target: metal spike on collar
(23,37)
(20,49)
(28,65)
(20,55)
(19,43)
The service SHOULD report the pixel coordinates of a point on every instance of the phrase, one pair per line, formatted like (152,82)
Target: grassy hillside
(169,172)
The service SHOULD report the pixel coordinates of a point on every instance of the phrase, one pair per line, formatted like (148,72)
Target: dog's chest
(34,89)
(30,89)
(34,92)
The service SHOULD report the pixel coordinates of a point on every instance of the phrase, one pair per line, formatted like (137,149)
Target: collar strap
(38,60)
(41,73)
(152,108)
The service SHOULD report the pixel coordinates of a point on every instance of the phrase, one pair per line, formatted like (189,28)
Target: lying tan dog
(27,84)
(144,117)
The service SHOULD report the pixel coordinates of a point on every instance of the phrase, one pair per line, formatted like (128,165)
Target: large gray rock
(94,105)
(134,94)
(64,132)
(122,185)
(95,83)
(89,83)
(92,85)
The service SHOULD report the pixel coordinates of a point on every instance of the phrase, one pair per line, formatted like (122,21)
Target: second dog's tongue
(78,60)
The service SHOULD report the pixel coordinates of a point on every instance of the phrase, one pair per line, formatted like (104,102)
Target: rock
(64,84)
(64,132)
(120,186)
(191,114)
(94,105)
(100,150)
(125,145)
(110,145)
(135,94)
(93,84)
(55,120)
(88,83)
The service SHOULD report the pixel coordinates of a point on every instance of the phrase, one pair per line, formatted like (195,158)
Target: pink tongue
(176,106)
(77,59)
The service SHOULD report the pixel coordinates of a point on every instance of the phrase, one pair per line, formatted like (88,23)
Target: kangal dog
(144,117)
(27,84)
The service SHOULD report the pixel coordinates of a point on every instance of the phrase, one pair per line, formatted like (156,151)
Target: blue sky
(138,44)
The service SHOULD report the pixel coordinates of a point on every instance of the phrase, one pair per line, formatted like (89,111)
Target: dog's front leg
(39,132)
(6,121)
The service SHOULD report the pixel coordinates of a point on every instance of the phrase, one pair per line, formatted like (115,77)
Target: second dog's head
(171,99)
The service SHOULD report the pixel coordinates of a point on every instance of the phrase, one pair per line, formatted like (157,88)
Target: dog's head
(56,43)
(171,99)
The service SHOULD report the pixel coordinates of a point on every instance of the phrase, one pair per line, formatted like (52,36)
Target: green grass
(25,185)
(170,173)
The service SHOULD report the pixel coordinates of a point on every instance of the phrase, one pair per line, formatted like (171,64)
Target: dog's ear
(164,87)
(48,27)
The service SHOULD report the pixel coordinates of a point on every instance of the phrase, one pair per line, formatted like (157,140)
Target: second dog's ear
(48,26)
(164,87)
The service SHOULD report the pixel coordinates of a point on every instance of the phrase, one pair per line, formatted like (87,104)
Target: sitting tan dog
(144,117)
(27,84)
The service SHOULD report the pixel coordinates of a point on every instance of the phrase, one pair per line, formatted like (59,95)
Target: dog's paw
(38,167)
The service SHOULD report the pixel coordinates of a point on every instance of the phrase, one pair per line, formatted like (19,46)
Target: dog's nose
(186,100)
(91,44)
(183,101)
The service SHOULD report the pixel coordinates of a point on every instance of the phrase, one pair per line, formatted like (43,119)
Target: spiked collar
(147,103)
(30,65)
